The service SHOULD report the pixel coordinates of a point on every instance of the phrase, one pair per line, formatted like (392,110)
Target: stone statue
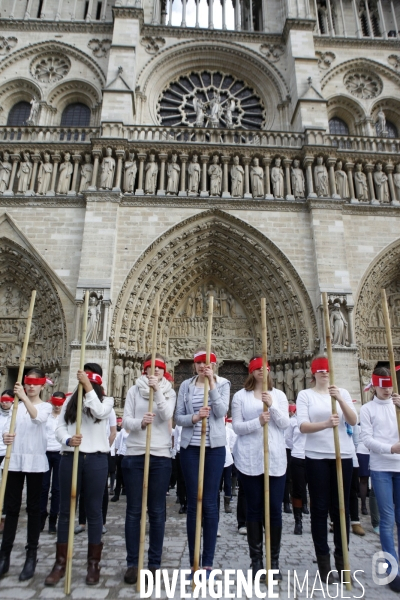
(173,172)
(33,115)
(5,172)
(151,172)
(215,173)
(277,179)
(223,303)
(190,307)
(381,184)
(396,182)
(321,178)
(66,170)
(130,169)
(298,181)
(198,106)
(211,292)
(24,174)
(44,175)
(279,378)
(237,176)
(232,306)
(288,377)
(273,376)
(137,370)
(107,171)
(381,123)
(309,374)
(360,183)
(86,173)
(93,320)
(257,179)
(338,326)
(342,185)
(216,110)
(298,378)
(194,171)
(128,376)
(199,303)
(230,107)
(56,380)
(118,378)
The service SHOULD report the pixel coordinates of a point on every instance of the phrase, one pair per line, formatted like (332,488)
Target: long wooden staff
(147,453)
(386,318)
(265,432)
(202,456)
(15,405)
(339,473)
(74,479)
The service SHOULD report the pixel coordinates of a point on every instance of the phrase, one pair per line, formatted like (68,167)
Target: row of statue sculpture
(46,174)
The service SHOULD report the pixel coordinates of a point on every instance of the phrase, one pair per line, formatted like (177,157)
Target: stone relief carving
(86,173)
(99,47)
(44,175)
(394,61)
(257,179)
(7,44)
(360,183)
(215,173)
(173,173)
(381,184)
(277,179)
(5,172)
(33,115)
(339,325)
(107,171)
(130,170)
(288,379)
(93,319)
(50,68)
(24,173)
(363,85)
(118,380)
(342,184)
(65,174)
(272,51)
(325,59)
(237,178)
(152,44)
(194,172)
(298,181)
(321,178)
(151,172)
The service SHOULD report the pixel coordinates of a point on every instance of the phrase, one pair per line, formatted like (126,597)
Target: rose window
(211,99)
(49,69)
(363,85)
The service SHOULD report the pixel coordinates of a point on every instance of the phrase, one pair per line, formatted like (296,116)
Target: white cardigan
(248,449)
(379,432)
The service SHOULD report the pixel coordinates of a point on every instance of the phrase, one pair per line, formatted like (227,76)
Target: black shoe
(183,510)
(115,498)
(4,563)
(53,524)
(276,535)
(123,493)
(305,510)
(364,510)
(30,565)
(286,508)
(43,518)
(255,540)
(131,575)
(395,584)
(298,526)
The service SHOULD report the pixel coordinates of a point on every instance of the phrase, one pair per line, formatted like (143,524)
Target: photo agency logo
(382,562)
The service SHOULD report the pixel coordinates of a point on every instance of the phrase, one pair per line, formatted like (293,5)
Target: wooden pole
(202,456)
(265,432)
(393,371)
(74,479)
(15,405)
(339,473)
(148,443)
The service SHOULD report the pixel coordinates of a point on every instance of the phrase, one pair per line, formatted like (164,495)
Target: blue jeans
(386,486)
(92,473)
(213,469)
(54,459)
(159,476)
(253,486)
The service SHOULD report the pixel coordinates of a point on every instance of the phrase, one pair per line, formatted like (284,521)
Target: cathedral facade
(193,148)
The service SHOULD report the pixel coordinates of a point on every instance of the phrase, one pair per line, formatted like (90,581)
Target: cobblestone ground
(232,553)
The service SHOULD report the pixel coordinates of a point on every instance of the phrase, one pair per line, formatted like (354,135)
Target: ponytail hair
(70,412)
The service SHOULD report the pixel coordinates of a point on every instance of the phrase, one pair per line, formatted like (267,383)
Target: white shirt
(313,407)
(248,450)
(230,442)
(28,452)
(120,442)
(176,432)
(3,421)
(53,445)
(94,435)
(379,432)
(295,440)
(112,422)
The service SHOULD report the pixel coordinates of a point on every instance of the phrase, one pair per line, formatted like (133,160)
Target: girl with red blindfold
(379,432)
(136,420)
(54,457)
(315,418)
(28,461)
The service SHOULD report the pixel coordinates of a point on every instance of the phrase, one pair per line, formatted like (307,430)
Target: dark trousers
(92,474)
(82,511)
(241,507)
(299,481)
(52,475)
(286,495)
(5,497)
(253,486)
(159,475)
(213,467)
(226,481)
(13,498)
(180,482)
(323,488)
(172,481)
(353,507)
(119,479)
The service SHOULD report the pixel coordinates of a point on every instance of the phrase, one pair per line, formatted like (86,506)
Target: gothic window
(390,128)
(338,127)
(19,114)
(76,115)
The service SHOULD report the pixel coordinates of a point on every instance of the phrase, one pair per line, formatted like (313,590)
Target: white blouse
(53,445)
(379,433)
(248,449)
(28,452)
(295,440)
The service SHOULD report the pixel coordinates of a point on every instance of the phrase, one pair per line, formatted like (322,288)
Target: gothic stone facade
(197,149)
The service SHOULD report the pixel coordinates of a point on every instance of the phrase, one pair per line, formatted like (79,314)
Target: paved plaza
(232,553)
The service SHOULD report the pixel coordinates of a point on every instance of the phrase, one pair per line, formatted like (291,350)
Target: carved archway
(369,326)
(20,273)
(214,249)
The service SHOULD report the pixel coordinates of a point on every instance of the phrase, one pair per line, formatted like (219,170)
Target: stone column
(141,156)
(120,154)
(15,158)
(267,178)
(307,163)
(93,185)
(332,183)
(76,159)
(286,163)
(369,168)
(246,162)
(389,168)
(204,161)
(184,157)
(163,157)
(106,304)
(349,166)
(36,159)
(78,305)
(225,190)
(350,324)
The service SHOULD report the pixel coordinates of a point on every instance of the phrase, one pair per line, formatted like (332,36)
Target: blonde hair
(250,383)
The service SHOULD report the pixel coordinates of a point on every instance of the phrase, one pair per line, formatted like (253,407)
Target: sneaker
(242,530)
(104,529)
(79,529)
(218,533)
(376,530)
(357,529)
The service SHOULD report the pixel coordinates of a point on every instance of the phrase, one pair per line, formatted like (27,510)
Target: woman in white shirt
(251,410)
(315,418)
(54,457)
(6,402)
(295,441)
(92,468)
(380,434)
(28,461)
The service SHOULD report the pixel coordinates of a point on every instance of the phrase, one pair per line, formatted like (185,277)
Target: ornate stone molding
(394,61)
(215,35)
(363,85)
(323,41)
(152,45)
(7,43)
(94,27)
(36,201)
(98,47)
(272,51)
(325,59)
(362,65)
(50,68)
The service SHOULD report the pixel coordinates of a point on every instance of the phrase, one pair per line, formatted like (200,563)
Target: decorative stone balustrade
(55,135)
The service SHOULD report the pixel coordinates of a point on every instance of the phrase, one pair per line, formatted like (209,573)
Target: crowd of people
(112,451)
